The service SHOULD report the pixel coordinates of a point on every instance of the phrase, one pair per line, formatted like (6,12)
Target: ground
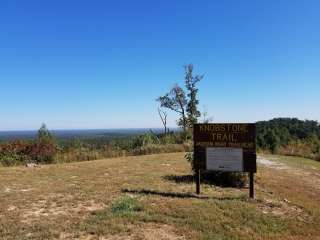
(152,197)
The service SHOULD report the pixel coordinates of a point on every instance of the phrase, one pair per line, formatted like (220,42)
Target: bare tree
(205,116)
(163,116)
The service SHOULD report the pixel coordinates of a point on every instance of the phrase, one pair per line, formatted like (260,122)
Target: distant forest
(290,136)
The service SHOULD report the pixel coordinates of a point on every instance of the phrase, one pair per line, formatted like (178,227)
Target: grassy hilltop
(152,197)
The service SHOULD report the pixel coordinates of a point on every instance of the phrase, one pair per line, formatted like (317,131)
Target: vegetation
(46,149)
(283,136)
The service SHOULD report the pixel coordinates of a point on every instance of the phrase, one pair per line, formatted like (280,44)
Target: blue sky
(101,64)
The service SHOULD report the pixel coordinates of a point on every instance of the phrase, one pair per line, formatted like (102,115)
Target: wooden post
(251,174)
(198,181)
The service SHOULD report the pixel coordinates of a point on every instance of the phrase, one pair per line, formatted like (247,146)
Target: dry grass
(136,198)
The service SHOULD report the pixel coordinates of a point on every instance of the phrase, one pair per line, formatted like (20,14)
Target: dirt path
(308,175)
(272,164)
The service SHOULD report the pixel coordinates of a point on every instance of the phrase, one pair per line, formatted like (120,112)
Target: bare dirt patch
(160,232)
(68,236)
(150,231)
(284,209)
(47,208)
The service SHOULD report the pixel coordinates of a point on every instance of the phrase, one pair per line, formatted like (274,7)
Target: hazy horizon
(130,128)
(81,129)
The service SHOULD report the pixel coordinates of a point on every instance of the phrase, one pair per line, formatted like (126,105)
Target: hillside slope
(152,197)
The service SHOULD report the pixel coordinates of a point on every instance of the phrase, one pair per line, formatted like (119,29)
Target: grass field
(152,197)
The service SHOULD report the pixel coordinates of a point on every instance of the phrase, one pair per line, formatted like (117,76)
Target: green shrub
(168,139)
(10,159)
(145,139)
(126,206)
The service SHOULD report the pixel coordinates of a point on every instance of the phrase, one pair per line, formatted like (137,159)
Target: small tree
(45,148)
(186,105)
(272,140)
(44,134)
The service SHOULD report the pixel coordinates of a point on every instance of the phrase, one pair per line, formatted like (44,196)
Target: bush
(168,139)
(145,140)
(42,152)
(226,179)
(20,152)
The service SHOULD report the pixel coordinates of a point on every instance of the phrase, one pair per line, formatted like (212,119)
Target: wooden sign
(225,147)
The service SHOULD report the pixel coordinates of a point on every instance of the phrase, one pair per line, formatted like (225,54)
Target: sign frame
(225,136)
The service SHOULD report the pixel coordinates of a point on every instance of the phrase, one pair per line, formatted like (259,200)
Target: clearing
(152,197)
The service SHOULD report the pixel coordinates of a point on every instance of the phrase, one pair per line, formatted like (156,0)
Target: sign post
(198,175)
(251,179)
(226,147)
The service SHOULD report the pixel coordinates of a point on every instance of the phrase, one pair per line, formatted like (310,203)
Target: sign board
(225,147)
(224,159)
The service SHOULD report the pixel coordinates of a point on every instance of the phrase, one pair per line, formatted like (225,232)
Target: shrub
(10,159)
(14,153)
(168,139)
(42,152)
(145,139)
